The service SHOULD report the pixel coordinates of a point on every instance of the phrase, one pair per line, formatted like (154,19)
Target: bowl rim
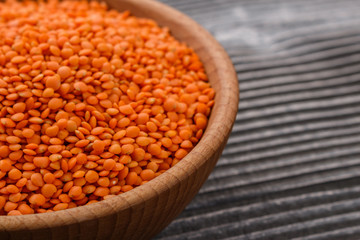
(226,104)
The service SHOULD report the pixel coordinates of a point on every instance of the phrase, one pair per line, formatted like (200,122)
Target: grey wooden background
(291,169)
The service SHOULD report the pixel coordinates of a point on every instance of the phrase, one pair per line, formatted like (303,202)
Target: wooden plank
(291,166)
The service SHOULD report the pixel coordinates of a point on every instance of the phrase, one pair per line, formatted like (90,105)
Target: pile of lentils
(93,102)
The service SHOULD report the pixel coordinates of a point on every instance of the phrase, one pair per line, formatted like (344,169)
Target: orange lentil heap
(93,103)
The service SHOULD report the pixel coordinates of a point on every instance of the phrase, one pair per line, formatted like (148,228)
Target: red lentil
(89,112)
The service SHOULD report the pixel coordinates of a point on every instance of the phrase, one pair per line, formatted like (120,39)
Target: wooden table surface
(291,169)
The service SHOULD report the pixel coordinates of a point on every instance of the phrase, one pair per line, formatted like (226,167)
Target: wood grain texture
(143,212)
(291,168)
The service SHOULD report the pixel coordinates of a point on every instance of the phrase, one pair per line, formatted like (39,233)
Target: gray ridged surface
(291,169)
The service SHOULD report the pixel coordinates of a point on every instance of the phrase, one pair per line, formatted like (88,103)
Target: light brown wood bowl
(144,211)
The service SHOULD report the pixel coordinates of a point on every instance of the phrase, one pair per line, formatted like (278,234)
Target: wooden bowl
(144,211)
